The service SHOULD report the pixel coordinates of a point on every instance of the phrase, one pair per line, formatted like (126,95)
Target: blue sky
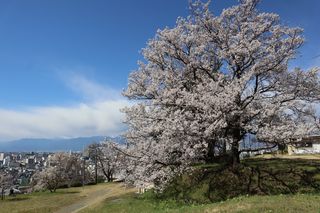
(64,63)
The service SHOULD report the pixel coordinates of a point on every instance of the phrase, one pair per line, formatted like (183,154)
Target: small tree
(108,158)
(63,170)
(50,178)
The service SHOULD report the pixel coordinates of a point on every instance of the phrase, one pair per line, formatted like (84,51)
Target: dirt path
(93,197)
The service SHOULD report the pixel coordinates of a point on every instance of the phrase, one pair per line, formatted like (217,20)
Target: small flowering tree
(109,159)
(63,170)
(211,81)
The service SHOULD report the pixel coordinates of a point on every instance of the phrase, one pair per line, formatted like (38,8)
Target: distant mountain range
(54,145)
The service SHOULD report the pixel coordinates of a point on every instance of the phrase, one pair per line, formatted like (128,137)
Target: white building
(308,145)
(1,156)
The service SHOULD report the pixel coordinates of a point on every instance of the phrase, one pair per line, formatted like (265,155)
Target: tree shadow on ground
(251,177)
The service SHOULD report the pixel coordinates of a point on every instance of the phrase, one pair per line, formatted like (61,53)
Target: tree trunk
(211,151)
(96,169)
(235,158)
(109,178)
(224,148)
(236,136)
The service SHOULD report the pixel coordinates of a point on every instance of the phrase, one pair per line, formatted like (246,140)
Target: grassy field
(40,202)
(131,203)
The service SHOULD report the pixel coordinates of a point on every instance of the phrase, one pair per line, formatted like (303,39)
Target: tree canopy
(211,81)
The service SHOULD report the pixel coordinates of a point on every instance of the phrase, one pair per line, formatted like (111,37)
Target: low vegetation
(215,182)
(248,204)
(286,185)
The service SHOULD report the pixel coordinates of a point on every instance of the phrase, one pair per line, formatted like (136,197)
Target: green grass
(131,203)
(40,202)
(212,183)
(188,191)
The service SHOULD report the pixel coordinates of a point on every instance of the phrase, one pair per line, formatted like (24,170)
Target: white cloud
(91,90)
(100,116)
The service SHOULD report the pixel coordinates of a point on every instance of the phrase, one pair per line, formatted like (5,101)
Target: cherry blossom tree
(109,159)
(63,170)
(209,82)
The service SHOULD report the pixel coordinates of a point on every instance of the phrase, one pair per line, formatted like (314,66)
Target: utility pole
(96,163)
(2,193)
(84,158)
(83,171)
(83,166)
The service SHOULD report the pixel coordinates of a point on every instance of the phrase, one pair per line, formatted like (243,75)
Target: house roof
(311,139)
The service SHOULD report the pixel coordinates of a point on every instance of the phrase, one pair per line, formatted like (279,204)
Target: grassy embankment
(285,185)
(131,203)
